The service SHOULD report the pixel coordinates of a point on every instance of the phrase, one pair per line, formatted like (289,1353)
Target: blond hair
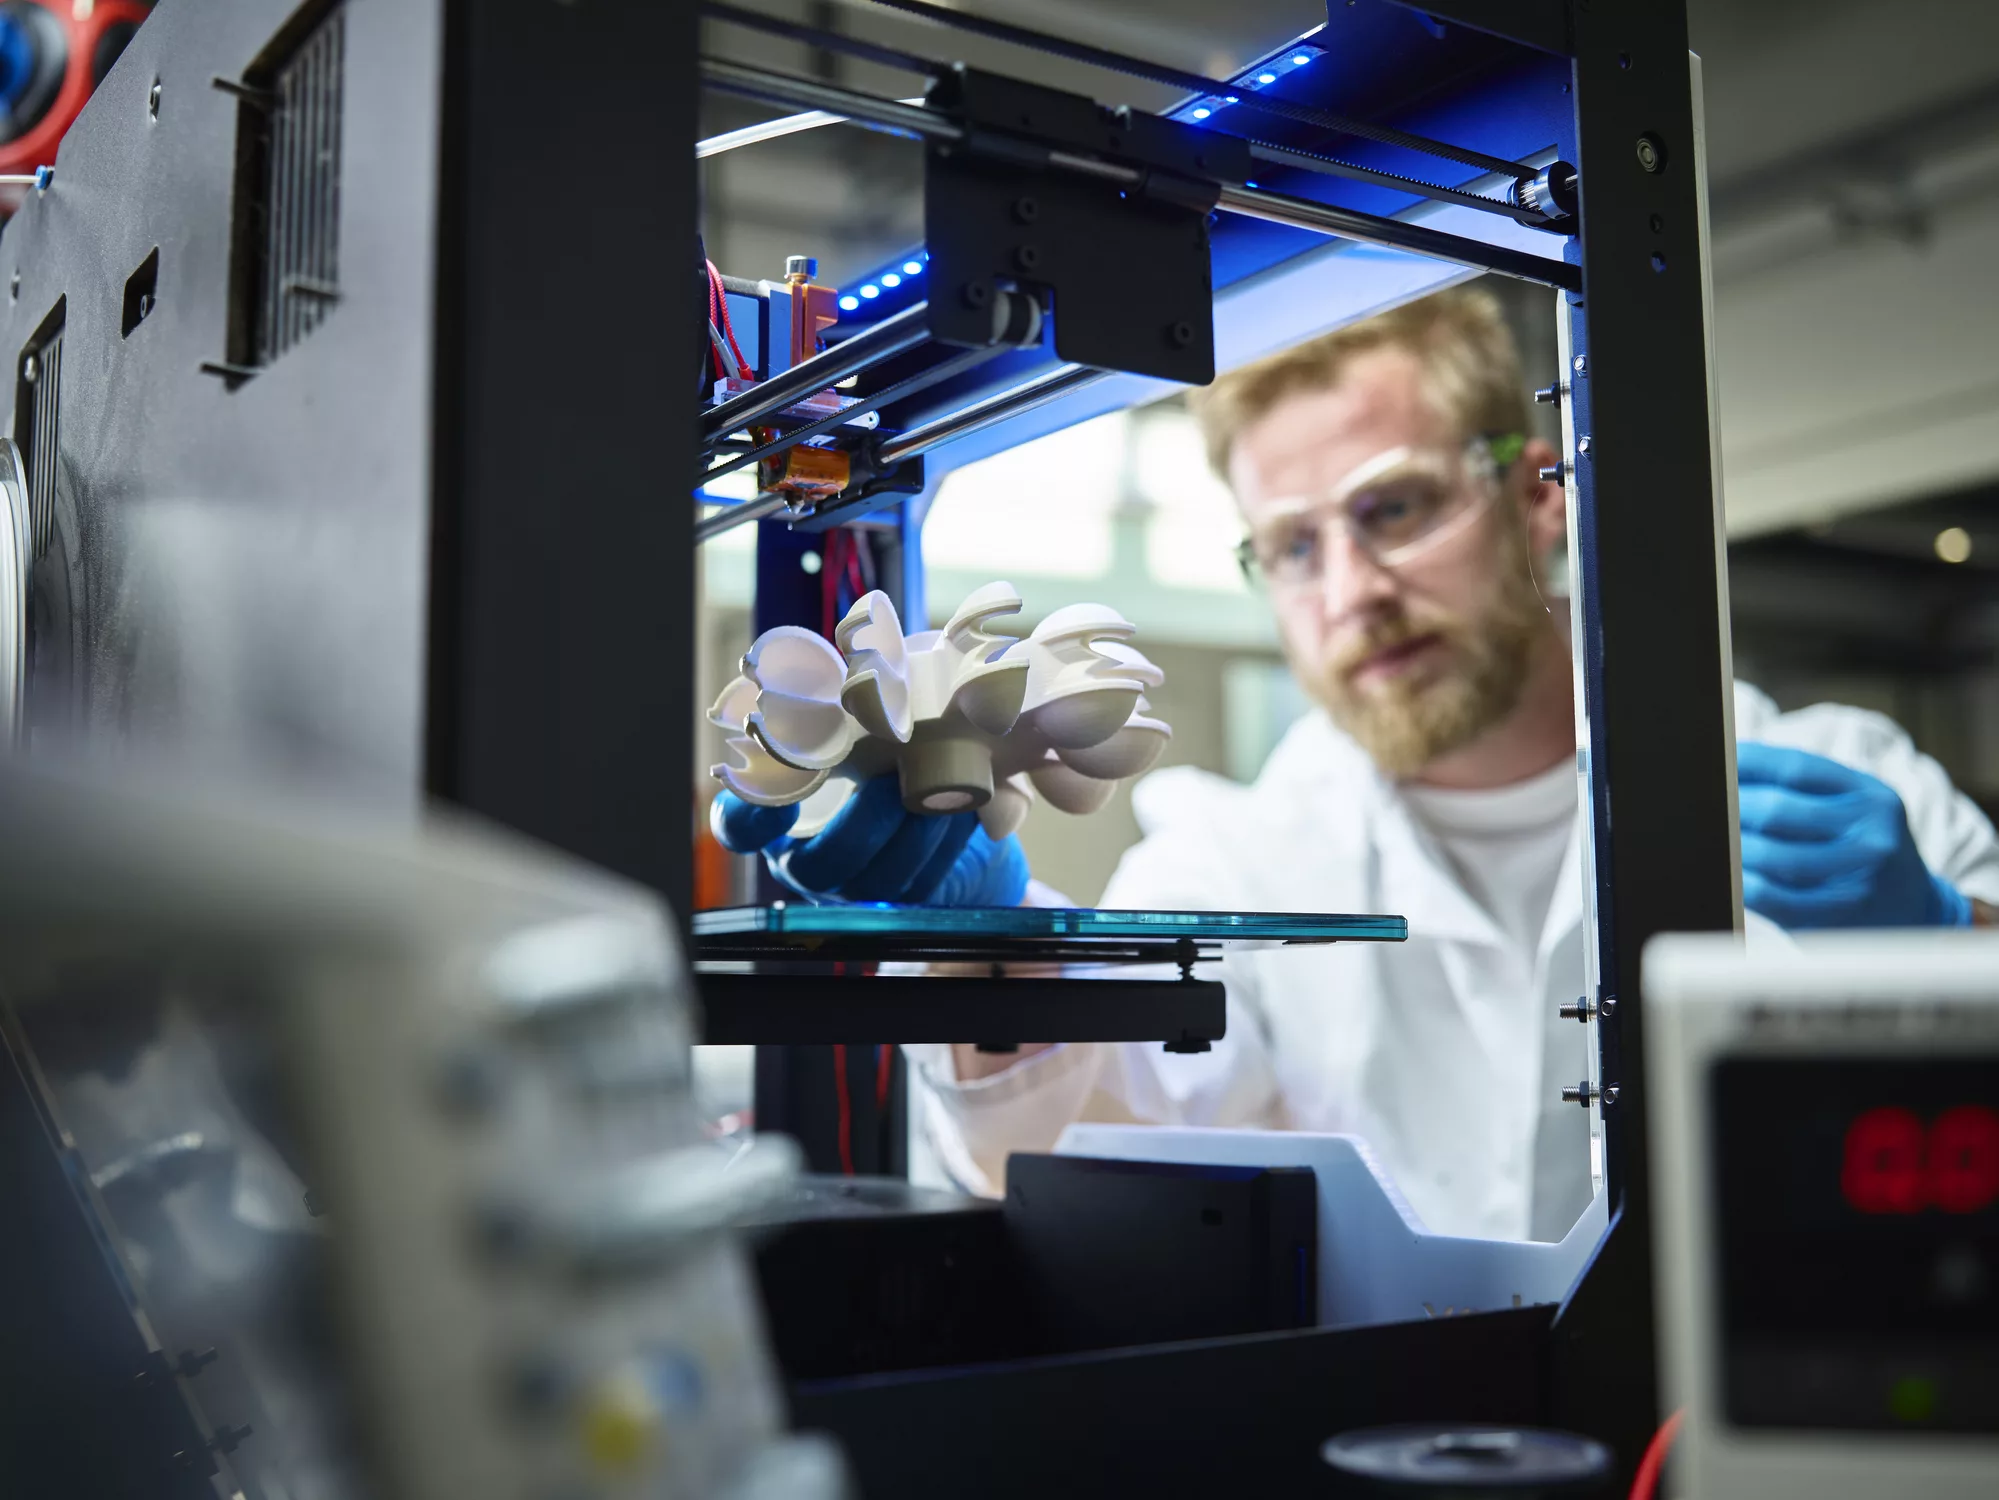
(1471,369)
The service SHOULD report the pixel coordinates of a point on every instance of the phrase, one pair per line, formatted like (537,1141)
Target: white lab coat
(1445,1052)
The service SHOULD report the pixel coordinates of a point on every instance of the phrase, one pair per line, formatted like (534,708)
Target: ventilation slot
(285,242)
(37,422)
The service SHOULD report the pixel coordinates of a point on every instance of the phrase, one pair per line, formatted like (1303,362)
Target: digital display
(1857,1241)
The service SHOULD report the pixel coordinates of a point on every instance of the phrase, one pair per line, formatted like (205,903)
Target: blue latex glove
(1824,845)
(875,850)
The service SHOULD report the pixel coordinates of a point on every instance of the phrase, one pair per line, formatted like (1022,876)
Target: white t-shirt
(1506,844)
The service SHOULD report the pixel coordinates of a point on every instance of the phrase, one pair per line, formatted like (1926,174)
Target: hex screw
(1582,1010)
(1581,365)
(977,294)
(1608,1006)
(1651,153)
(1180,334)
(153,102)
(1548,395)
(1027,257)
(1551,474)
(1582,445)
(1579,1093)
(1026,210)
(30,369)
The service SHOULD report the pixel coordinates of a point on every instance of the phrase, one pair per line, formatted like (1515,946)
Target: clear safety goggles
(1395,507)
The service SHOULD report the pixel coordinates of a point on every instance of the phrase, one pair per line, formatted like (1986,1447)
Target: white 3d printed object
(967,718)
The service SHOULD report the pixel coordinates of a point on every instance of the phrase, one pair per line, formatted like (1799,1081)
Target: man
(1395,519)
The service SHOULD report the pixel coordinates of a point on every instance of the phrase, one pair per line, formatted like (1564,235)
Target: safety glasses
(1395,507)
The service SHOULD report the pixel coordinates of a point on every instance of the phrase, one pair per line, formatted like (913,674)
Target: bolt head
(1581,364)
(30,369)
(1651,153)
(1582,444)
(801,265)
(153,101)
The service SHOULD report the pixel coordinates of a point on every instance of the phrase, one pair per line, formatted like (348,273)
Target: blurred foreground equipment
(359,1163)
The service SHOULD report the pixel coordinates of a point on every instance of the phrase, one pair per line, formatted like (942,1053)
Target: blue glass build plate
(1012,933)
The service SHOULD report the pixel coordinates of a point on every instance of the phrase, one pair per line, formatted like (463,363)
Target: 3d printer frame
(1164,246)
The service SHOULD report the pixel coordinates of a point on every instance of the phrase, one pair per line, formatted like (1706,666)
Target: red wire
(718,311)
(1654,1462)
(846,1108)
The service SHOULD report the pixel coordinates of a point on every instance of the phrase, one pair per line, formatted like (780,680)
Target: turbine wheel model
(966,717)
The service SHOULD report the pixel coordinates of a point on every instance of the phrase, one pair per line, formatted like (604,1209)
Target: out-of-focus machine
(340,466)
(1826,1140)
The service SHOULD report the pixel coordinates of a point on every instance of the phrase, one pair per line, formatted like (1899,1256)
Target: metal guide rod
(888,338)
(957,364)
(1301,213)
(781,88)
(1037,392)
(767,504)
(920,440)
(1196,83)
(1277,208)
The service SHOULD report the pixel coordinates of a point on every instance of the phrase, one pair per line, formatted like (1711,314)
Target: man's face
(1416,659)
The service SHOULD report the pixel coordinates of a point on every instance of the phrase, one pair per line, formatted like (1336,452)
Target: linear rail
(1276,208)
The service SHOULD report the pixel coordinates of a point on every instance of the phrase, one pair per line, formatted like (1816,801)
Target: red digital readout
(1895,1164)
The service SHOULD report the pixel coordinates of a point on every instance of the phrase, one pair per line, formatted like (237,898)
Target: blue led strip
(1261,76)
(898,273)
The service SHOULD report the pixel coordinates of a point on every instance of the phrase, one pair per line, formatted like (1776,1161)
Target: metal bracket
(1013,203)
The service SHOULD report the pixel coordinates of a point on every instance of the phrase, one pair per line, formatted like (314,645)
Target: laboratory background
(855,749)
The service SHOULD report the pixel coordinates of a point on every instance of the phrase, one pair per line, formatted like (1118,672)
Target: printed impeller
(966,717)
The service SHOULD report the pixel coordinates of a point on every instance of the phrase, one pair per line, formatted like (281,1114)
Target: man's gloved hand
(1824,845)
(874,850)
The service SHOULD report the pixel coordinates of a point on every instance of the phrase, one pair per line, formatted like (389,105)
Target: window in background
(1190,543)
(1042,510)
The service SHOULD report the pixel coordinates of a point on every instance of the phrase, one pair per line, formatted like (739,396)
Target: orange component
(814,309)
(810,473)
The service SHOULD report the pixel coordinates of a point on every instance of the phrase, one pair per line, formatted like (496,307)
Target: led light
(1953,544)
(871,291)
(1266,78)
(891,279)
(1201,114)
(1230,99)
(848,304)
(1253,184)
(912,268)
(809,562)
(1300,59)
